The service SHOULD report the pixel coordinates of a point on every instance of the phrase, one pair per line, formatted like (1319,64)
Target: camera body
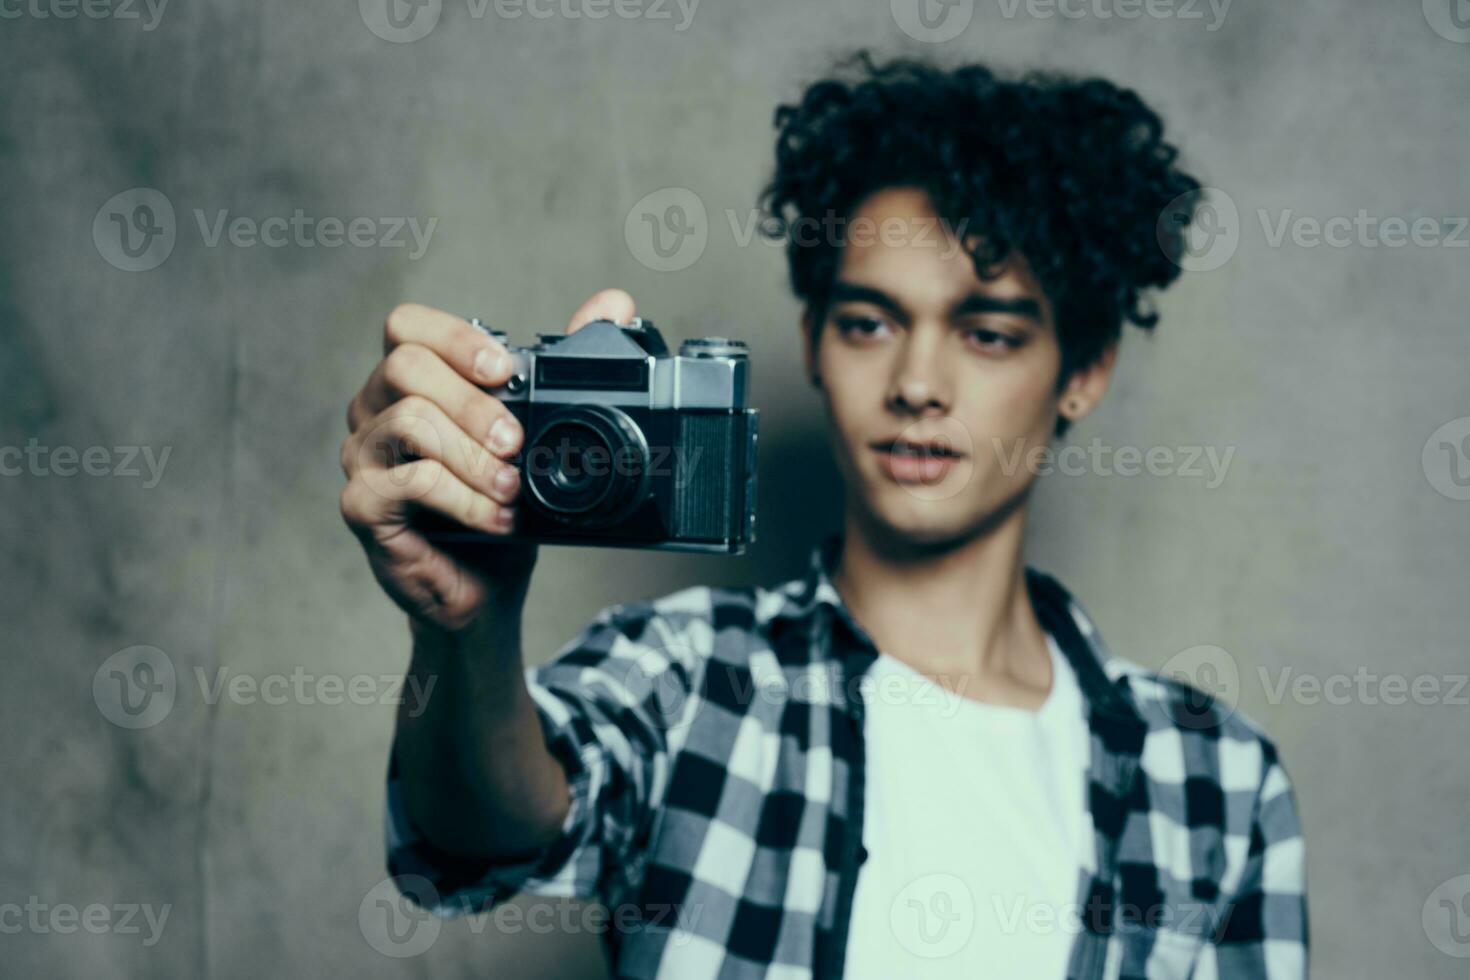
(629,446)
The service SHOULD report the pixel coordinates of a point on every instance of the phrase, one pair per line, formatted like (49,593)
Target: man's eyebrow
(1023,306)
(851,292)
(1017,306)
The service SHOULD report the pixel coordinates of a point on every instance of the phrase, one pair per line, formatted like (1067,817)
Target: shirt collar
(815,602)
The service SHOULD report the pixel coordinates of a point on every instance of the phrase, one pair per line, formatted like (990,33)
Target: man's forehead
(896,243)
(914,279)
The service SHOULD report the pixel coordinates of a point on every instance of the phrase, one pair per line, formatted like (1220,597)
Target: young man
(919,759)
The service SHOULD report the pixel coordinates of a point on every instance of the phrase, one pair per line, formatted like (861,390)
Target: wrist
(494,626)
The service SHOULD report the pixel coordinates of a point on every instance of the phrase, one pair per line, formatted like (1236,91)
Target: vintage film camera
(629,446)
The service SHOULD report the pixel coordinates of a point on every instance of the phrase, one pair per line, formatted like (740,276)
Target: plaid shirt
(713,741)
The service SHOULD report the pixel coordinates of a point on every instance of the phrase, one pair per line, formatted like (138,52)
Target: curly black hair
(1072,173)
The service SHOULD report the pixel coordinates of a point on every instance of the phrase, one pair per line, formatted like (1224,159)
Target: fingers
(607,304)
(376,502)
(412,370)
(416,427)
(472,353)
(456,348)
(463,360)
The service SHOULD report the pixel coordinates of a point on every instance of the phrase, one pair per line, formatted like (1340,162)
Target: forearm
(476,776)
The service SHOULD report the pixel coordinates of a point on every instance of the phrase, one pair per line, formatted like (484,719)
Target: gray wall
(1334,547)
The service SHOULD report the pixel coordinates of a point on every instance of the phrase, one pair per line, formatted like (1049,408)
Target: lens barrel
(587,465)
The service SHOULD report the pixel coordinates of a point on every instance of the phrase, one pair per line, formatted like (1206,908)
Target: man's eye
(993,340)
(865,325)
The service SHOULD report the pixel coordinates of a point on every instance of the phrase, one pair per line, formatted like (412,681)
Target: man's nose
(920,378)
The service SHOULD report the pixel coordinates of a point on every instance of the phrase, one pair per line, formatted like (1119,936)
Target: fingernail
(504,518)
(502,435)
(506,480)
(491,364)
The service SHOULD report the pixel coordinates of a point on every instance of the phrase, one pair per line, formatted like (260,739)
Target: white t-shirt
(972,823)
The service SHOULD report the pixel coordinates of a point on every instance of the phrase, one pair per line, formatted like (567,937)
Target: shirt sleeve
(1263,934)
(612,704)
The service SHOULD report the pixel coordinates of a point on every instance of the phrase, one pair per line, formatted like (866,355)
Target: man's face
(915,346)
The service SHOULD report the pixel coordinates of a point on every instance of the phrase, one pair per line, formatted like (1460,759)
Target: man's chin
(918,522)
(904,519)
(905,538)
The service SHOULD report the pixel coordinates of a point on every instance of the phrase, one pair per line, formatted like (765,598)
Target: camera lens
(577,454)
(587,465)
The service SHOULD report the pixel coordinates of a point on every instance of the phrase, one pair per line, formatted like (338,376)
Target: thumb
(607,304)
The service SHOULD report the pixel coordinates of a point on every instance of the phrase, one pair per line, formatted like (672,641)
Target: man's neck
(960,614)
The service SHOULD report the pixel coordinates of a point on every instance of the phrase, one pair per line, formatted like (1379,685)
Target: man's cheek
(1006,446)
(1017,414)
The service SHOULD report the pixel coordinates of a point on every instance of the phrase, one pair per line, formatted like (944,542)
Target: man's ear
(1086,386)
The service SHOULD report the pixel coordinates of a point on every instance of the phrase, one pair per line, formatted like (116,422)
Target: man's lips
(922,450)
(927,466)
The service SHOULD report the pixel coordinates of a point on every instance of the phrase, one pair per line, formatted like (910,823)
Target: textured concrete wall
(1336,544)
